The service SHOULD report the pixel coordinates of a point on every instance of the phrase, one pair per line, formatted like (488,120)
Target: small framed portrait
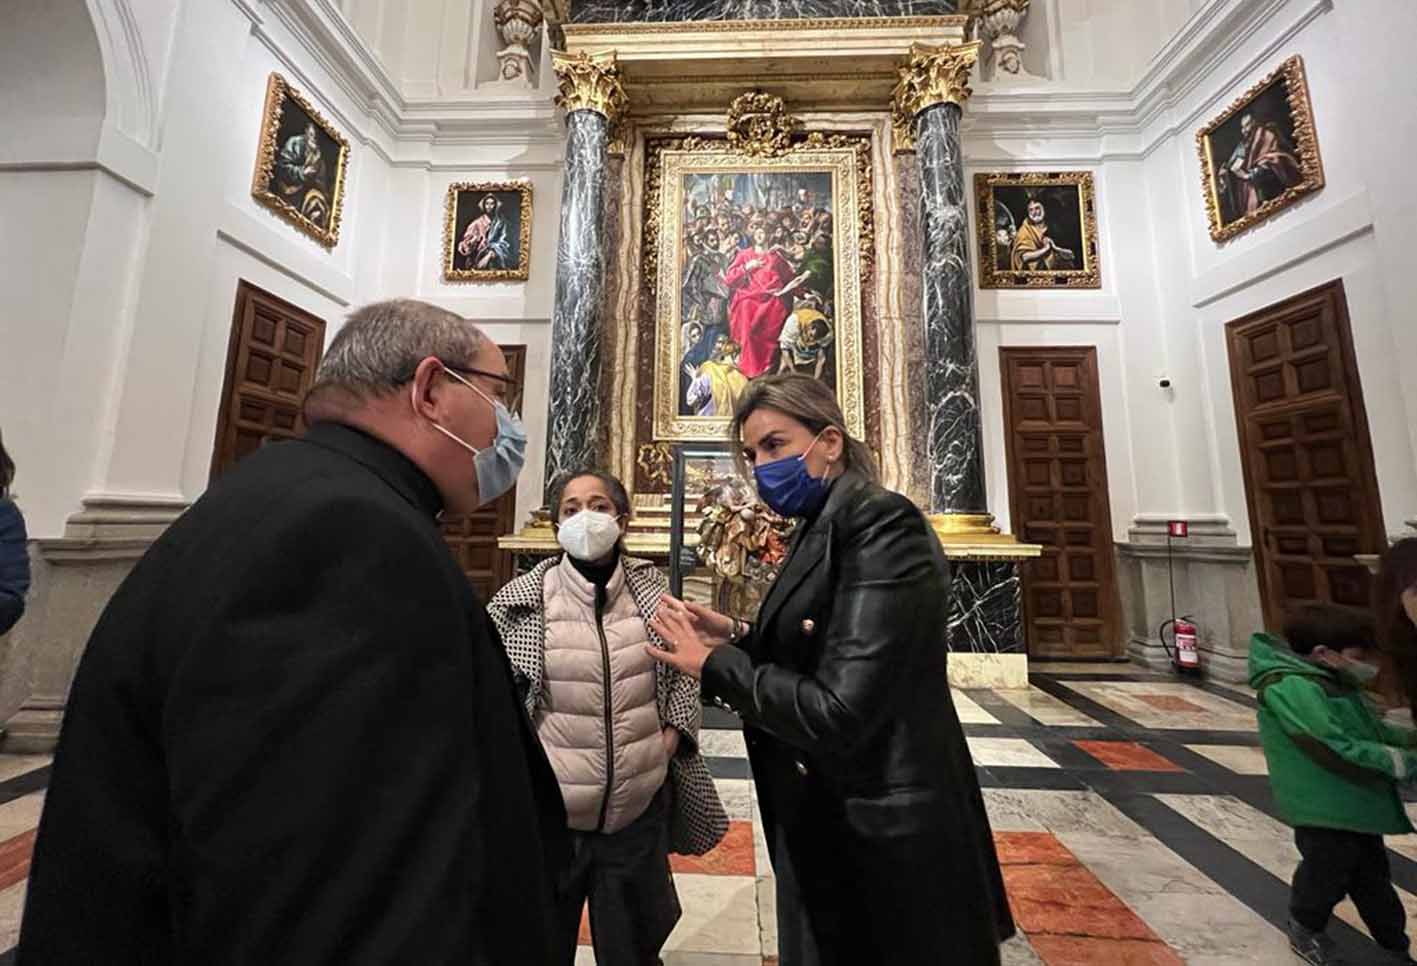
(487,232)
(1262,154)
(1037,230)
(301,163)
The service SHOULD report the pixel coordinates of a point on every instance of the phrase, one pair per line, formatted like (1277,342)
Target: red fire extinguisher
(1181,648)
(1187,657)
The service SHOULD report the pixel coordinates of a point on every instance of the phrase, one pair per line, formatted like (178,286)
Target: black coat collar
(807,545)
(390,465)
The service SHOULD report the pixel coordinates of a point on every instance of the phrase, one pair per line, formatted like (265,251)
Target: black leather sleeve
(886,563)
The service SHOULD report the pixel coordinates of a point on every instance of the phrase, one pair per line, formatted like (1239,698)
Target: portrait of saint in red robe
(1261,155)
(755,248)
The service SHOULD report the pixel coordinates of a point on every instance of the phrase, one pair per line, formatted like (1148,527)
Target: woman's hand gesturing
(691,631)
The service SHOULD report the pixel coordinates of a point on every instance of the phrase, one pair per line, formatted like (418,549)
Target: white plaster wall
(118,279)
(1332,234)
(1171,289)
(1168,289)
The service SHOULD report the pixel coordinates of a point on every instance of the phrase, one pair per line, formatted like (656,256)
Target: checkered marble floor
(1131,812)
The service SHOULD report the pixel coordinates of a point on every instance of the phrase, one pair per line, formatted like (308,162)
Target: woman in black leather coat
(871,808)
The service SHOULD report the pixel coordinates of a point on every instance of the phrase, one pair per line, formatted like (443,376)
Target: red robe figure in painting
(760,280)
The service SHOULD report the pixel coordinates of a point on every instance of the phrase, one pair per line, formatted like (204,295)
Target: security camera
(1164,383)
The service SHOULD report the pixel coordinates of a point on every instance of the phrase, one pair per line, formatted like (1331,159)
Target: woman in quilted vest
(621,730)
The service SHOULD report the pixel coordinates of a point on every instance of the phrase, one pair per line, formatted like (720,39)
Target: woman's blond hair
(809,401)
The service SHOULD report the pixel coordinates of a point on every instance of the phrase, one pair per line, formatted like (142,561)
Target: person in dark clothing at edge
(294,736)
(871,808)
(14,552)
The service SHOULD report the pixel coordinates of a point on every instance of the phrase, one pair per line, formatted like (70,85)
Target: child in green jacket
(1334,767)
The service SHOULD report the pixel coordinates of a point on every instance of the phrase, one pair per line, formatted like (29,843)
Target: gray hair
(381,345)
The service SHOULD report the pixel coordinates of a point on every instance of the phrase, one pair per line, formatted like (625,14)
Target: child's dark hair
(1331,625)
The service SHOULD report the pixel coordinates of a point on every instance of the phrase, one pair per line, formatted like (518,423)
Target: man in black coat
(294,736)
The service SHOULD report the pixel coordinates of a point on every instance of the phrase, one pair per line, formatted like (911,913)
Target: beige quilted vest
(597,718)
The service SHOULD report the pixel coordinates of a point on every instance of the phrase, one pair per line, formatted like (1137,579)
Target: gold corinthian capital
(589,82)
(932,75)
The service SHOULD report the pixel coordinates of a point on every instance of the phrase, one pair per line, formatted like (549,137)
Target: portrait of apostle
(300,163)
(1262,154)
(1037,230)
(487,232)
(757,252)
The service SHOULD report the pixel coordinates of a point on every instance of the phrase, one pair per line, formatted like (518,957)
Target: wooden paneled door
(1058,498)
(473,538)
(1304,445)
(270,363)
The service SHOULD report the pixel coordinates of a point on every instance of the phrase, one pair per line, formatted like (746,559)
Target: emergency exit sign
(1178,528)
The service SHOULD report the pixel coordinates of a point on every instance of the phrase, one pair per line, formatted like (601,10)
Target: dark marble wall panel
(984,608)
(574,413)
(668,11)
(954,444)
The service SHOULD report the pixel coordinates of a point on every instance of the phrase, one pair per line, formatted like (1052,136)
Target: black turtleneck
(598,573)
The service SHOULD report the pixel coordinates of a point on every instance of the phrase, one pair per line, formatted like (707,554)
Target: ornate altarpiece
(649,101)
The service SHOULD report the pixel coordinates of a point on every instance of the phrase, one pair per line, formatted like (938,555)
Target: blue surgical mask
(498,465)
(788,488)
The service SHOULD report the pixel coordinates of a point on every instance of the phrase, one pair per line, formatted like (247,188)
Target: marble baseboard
(996,671)
(72,581)
(1225,667)
(1216,586)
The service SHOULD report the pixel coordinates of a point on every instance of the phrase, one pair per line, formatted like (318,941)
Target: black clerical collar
(388,463)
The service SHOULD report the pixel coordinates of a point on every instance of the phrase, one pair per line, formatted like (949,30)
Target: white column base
(994,671)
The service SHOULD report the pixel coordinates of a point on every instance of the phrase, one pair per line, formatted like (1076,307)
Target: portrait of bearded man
(1034,250)
(1262,166)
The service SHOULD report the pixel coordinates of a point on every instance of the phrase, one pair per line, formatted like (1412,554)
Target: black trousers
(1337,864)
(626,879)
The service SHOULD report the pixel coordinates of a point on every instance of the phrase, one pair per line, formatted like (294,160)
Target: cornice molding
(1120,125)
(401,130)
(1139,121)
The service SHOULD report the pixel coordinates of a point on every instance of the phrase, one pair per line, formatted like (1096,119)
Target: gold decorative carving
(451,273)
(759,125)
(262,188)
(656,460)
(932,75)
(848,159)
(1087,275)
(590,82)
(942,22)
(1306,146)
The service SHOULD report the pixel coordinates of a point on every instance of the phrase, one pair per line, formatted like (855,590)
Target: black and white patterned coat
(698,821)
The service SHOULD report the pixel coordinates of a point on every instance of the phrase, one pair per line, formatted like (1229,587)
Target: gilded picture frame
(487,231)
(832,174)
(1037,229)
(301,164)
(1268,153)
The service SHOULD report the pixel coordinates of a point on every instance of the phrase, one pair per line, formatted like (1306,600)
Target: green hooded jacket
(1332,761)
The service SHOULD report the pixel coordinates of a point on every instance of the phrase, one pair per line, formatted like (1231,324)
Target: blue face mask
(497,466)
(788,488)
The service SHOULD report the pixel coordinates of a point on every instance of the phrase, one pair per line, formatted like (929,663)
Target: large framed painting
(759,265)
(487,232)
(1262,154)
(1037,230)
(300,165)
